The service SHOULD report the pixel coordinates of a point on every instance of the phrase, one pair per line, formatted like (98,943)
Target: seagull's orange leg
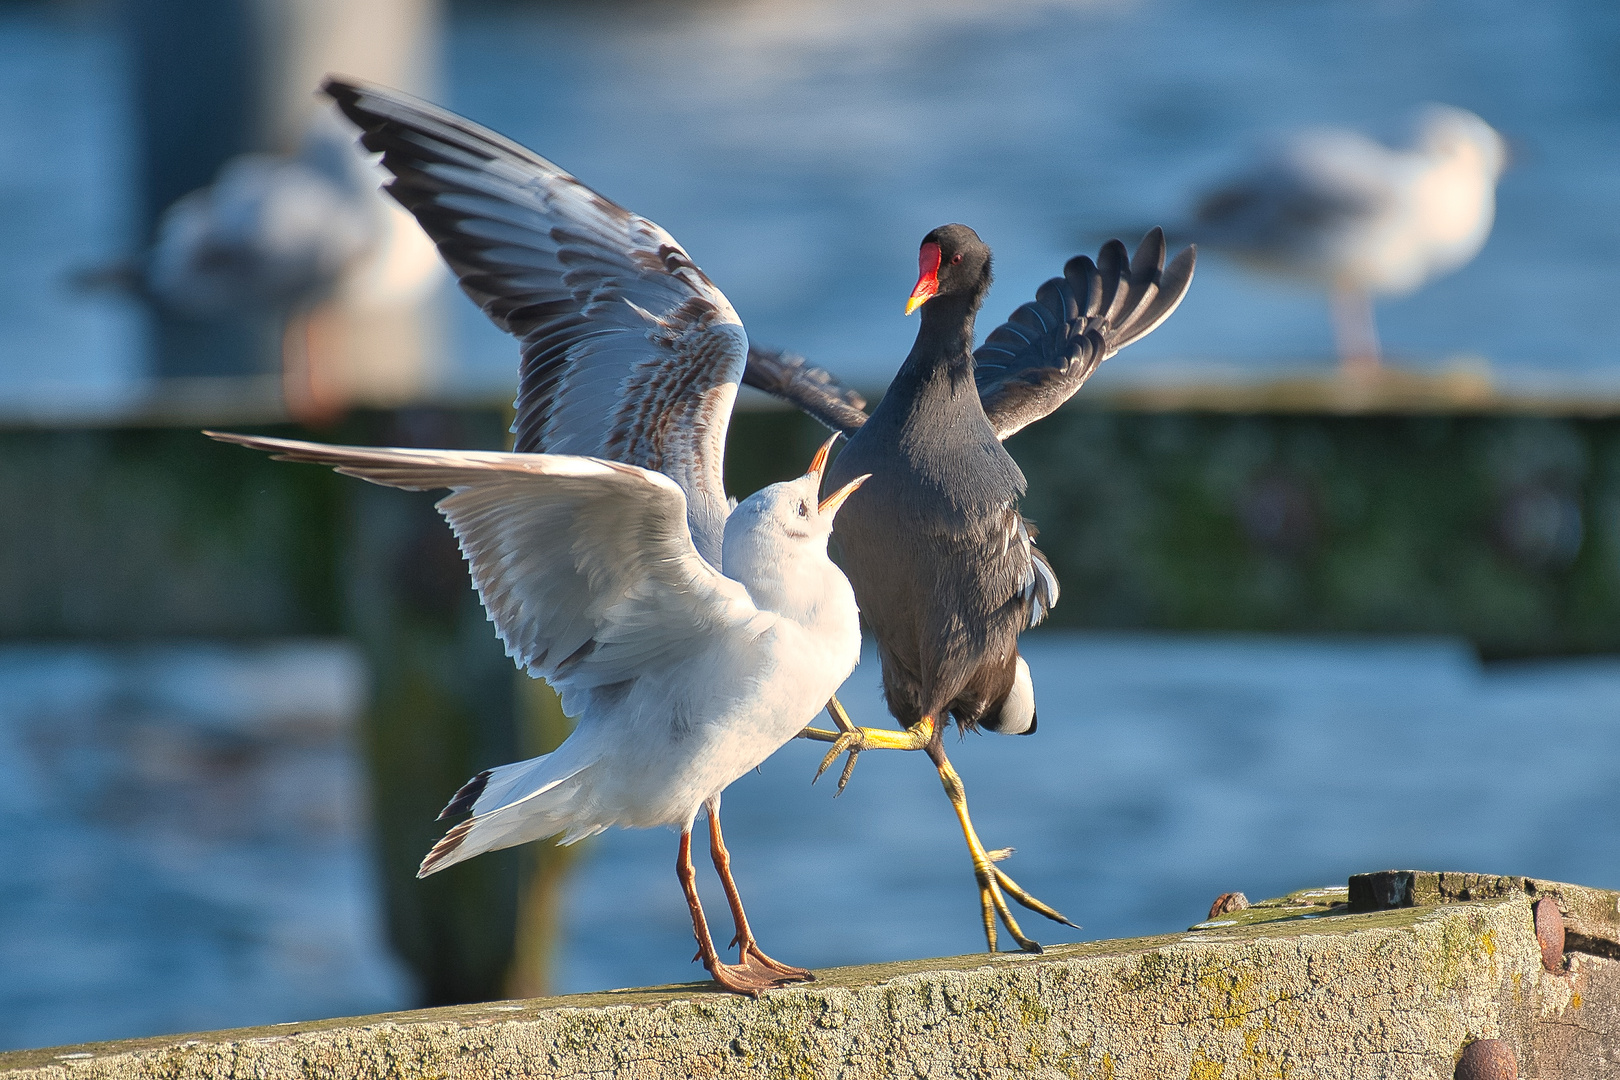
(749,954)
(737,979)
(1355,331)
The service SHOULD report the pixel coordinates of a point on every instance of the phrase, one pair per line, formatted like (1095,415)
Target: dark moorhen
(944,566)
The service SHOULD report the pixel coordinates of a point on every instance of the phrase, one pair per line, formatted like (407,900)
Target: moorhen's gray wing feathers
(629,350)
(1039,357)
(813,391)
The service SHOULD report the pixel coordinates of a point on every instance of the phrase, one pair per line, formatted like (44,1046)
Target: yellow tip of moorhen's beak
(831,503)
(819,462)
(915,302)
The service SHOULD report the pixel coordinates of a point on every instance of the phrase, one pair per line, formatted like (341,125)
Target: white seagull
(1359,218)
(682,677)
(691,639)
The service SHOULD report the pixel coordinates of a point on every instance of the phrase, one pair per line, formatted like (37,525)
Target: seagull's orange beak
(927,277)
(819,462)
(831,503)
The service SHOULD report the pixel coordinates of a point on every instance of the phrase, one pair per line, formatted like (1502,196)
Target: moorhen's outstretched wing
(1038,358)
(629,350)
(813,391)
(585,566)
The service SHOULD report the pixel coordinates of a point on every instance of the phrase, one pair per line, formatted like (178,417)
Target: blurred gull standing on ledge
(284,236)
(1361,219)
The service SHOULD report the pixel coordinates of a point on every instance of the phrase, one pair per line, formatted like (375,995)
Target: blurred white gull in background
(289,238)
(1360,219)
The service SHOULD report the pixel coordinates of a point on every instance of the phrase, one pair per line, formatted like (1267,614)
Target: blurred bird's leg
(740,979)
(749,954)
(1355,330)
(852,740)
(991,880)
(308,365)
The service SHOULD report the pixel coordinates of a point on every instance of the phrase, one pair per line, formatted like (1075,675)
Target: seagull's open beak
(927,277)
(819,462)
(831,503)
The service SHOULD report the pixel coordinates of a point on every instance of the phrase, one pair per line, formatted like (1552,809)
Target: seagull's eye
(956,258)
(804,511)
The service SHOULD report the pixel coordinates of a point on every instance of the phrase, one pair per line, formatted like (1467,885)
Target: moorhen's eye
(956,258)
(804,511)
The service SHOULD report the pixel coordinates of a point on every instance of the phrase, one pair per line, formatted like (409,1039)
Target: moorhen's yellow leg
(852,740)
(737,979)
(749,954)
(991,880)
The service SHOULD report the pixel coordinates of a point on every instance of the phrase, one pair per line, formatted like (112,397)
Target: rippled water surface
(801,150)
(185,842)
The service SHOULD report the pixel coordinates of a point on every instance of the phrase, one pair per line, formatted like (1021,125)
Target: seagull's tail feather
(513,804)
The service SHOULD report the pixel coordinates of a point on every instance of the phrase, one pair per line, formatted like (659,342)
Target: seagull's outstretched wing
(585,566)
(1038,358)
(629,351)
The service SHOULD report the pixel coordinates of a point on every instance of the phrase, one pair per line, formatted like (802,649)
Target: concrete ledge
(1301,986)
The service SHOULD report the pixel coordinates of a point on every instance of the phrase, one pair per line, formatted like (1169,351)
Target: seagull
(630,357)
(1361,219)
(682,676)
(944,566)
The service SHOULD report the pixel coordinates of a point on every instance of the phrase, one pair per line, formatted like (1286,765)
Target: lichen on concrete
(1310,991)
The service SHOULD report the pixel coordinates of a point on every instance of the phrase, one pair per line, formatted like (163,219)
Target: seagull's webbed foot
(754,973)
(992,880)
(851,740)
(749,978)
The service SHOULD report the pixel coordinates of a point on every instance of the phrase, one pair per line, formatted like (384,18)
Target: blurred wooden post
(196,67)
(543,727)
(443,707)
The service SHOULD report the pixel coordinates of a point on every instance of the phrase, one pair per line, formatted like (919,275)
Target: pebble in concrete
(1487,1059)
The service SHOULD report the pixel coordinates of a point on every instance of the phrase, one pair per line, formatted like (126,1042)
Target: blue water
(185,843)
(801,150)
(1166,770)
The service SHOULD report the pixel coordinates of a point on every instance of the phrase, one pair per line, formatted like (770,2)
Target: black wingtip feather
(462,801)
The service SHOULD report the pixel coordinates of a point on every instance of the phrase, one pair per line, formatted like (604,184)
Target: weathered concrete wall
(1297,987)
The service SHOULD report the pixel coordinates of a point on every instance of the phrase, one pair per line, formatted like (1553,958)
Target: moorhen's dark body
(943,565)
(934,544)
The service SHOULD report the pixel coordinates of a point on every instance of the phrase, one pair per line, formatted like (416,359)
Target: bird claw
(851,742)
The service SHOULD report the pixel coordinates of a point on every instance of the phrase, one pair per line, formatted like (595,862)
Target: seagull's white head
(776,539)
(1457,137)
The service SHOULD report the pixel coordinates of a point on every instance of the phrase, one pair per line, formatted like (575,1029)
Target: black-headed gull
(691,639)
(682,678)
(1359,218)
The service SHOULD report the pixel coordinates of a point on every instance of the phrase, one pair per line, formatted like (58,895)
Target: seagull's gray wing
(1038,358)
(815,392)
(585,566)
(629,351)
(1317,183)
